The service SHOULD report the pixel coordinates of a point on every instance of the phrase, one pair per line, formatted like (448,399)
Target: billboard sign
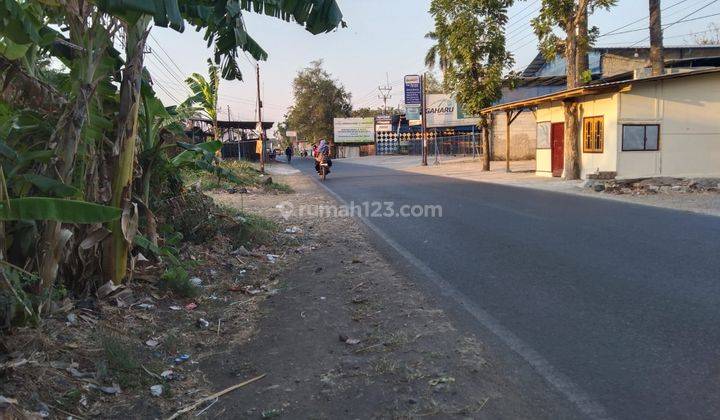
(413,90)
(383,123)
(443,111)
(354,130)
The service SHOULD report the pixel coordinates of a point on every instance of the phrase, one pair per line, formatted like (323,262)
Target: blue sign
(413,90)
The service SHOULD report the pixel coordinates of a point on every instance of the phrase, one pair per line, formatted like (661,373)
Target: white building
(645,127)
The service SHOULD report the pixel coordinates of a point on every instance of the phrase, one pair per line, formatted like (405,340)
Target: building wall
(552,113)
(601,105)
(687,110)
(607,107)
(616,61)
(522,137)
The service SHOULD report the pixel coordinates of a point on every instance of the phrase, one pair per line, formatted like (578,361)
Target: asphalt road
(622,300)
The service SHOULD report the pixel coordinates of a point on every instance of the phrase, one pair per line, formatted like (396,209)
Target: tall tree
(436,54)
(570,16)
(432,83)
(471,34)
(318,99)
(656,39)
(205,93)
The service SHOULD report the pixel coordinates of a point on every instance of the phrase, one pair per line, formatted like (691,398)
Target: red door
(557,140)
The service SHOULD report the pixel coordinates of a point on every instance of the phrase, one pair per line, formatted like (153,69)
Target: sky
(384,40)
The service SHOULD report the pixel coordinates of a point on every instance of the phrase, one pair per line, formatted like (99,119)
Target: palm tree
(656,39)
(205,94)
(436,54)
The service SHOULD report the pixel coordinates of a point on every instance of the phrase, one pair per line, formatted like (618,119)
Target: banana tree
(205,94)
(158,125)
(224,30)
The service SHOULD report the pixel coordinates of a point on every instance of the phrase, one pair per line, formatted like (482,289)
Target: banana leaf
(49,185)
(204,150)
(57,209)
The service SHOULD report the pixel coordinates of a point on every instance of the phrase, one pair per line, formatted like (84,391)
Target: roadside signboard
(383,123)
(413,90)
(291,133)
(412,114)
(443,111)
(354,130)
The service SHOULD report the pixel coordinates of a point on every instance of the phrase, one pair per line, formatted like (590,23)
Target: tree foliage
(570,17)
(75,141)
(318,99)
(205,94)
(471,37)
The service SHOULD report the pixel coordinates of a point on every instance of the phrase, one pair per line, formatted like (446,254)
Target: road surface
(616,305)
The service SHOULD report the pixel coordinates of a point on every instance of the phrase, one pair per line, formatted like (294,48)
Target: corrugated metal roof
(591,89)
(245,125)
(539,61)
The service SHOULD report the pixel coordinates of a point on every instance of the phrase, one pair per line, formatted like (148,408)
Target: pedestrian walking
(289,153)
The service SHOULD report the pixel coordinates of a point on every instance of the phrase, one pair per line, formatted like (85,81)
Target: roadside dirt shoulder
(349,336)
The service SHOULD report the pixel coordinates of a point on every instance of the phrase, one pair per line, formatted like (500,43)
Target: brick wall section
(523,134)
(619,61)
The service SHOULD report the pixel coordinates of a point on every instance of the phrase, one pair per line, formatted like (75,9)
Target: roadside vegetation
(99,222)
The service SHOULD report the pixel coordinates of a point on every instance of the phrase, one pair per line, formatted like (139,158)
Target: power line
(672,37)
(155,59)
(520,28)
(668,25)
(167,92)
(180,72)
(681,19)
(614,31)
(515,16)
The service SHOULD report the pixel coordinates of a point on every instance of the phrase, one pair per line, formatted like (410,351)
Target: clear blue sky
(383,36)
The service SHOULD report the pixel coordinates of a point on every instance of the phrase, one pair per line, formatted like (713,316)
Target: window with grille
(640,137)
(593,135)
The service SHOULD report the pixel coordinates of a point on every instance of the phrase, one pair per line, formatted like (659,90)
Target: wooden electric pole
(260,125)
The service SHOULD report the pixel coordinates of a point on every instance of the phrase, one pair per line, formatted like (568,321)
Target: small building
(666,125)
(239,138)
(543,77)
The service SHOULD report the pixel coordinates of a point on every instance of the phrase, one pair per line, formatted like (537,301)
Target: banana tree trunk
(65,139)
(127,129)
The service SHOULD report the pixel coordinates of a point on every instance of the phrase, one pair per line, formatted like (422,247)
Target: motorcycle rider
(322,151)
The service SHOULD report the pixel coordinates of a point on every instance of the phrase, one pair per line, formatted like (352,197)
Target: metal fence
(463,144)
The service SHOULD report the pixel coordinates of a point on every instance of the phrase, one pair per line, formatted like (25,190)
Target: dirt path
(403,356)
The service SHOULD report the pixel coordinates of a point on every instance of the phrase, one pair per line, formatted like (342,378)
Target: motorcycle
(323,165)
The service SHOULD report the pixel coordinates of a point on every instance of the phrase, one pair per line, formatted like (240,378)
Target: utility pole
(423,109)
(261,132)
(232,133)
(385,93)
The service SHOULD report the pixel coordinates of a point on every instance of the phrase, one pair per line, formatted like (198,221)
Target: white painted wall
(688,111)
(602,105)
(553,113)
(596,106)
